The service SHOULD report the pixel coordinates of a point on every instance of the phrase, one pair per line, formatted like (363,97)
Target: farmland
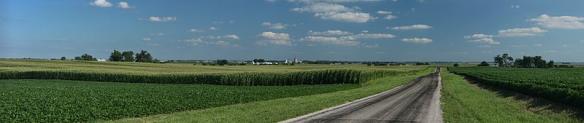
(51,91)
(191,74)
(463,102)
(560,85)
(75,101)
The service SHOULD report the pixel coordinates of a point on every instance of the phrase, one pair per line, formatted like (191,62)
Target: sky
(362,30)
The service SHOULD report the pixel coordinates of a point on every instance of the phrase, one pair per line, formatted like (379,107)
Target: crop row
(561,85)
(45,101)
(243,79)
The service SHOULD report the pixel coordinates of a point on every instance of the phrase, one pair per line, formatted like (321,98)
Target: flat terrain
(60,95)
(415,102)
(464,102)
(562,85)
(77,101)
(271,111)
(153,68)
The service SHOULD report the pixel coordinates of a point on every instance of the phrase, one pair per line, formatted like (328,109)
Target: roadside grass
(279,109)
(82,101)
(463,102)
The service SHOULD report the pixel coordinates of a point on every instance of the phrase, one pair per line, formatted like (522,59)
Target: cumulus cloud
(417,40)
(196,30)
(213,28)
(332,1)
(373,36)
(559,22)
(276,26)
(413,27)
(343,38)
(335,12)
(124,5)
(482,38)
(161,19)
(330,33)
(275,38)
(222,40)
(343,41)
(521,32)
(388,15)
(101,3)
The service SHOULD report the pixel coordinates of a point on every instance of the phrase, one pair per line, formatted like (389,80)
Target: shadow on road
(535,104)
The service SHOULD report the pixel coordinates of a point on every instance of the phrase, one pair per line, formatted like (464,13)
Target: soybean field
(557,84)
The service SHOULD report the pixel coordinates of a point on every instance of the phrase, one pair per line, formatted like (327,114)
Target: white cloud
(343,38)
(388,15)
(232,36)
(147,39)
(213,28)
(275,38)
(372,46)
(417,40)
(330,33)
(101,3)
(342,41)
(559,22)
(196,30)
(515,6)
(521,32)
(332,1)
(373,36)
(276,26)
(224,40)
(538,45)
(335,12)
(384,12)
(482,38)
(161,19)
(124,5)
(413,27)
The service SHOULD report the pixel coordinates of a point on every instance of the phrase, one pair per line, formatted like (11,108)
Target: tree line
(117,56)
(505,60)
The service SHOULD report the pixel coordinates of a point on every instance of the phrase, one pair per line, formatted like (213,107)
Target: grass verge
(280,109)
(463,102)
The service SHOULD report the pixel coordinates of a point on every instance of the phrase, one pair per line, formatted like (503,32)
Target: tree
(86,57)
(504,60)
(116,56)
(143,56)
(484,64)
(550,64)
(128,56)
(222,62)
(456,65)
(533,62)
(63,58)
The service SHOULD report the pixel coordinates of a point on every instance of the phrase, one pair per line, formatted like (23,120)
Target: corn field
(241,79)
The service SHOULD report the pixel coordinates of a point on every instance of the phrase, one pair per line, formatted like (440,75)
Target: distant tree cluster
(526,62)
(504,60)
(484,64)
(117,56)
(420,63)
(85,57)
(128,56)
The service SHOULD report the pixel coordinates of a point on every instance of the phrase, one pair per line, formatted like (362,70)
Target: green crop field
(463,102)
(191,74)
(560,85)
(75,101)
(74,91)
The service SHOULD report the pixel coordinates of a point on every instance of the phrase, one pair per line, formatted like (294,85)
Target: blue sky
(389,30)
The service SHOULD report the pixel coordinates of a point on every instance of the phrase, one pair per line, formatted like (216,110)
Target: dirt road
(418,101)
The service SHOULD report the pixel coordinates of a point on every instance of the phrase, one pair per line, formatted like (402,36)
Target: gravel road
(418,101)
